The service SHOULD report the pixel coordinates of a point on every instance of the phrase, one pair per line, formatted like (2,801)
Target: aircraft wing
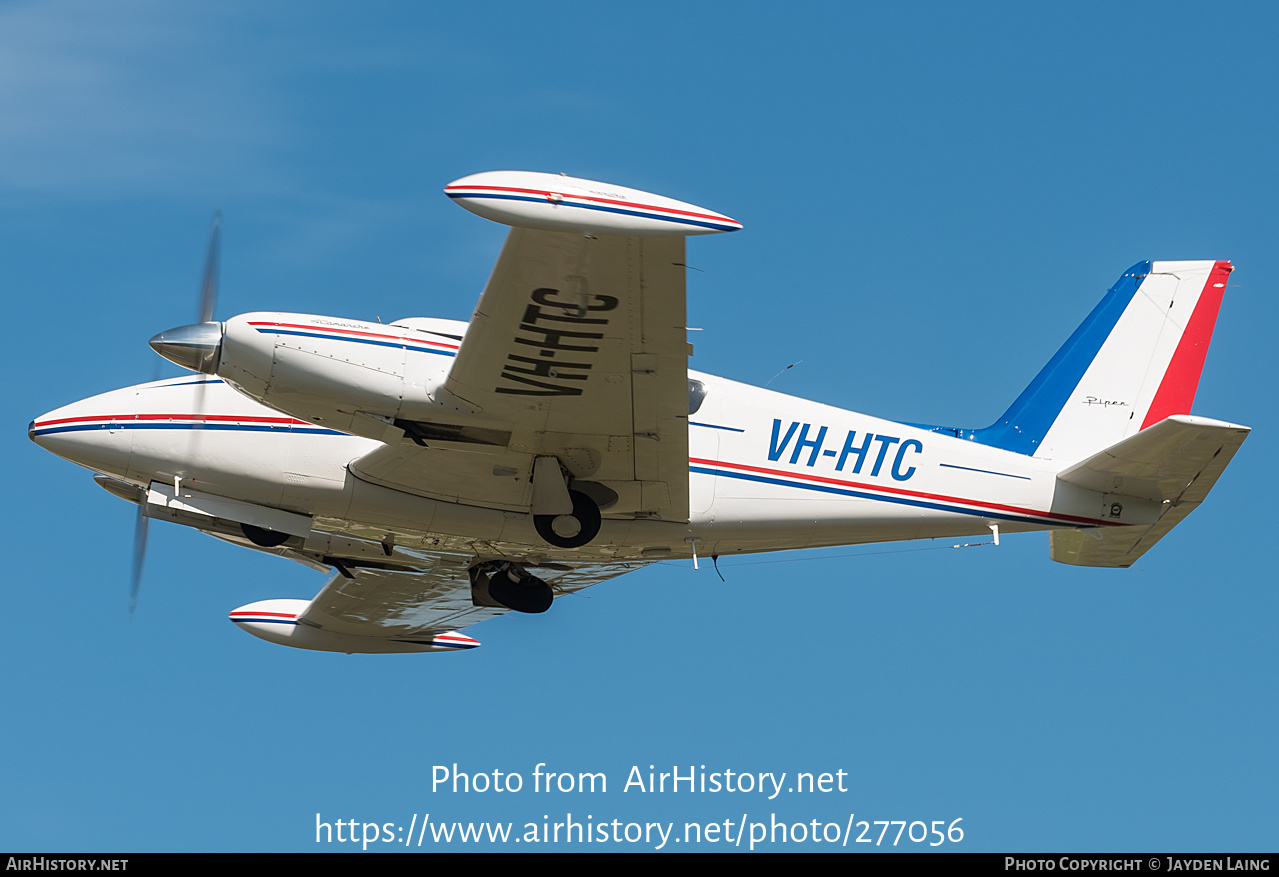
(578,351)
(396,604)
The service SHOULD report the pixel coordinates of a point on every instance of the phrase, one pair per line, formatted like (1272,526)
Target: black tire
(264,538)
(529,594)
(588,517)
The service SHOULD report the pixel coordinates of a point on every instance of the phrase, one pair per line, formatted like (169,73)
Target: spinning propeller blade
(209,284)
(140,528)
(209,297)
(193,347)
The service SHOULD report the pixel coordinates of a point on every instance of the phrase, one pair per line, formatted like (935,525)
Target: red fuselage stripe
(216,418)
(936,497)
(361,334)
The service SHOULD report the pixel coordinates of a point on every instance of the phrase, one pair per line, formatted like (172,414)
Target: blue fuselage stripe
(715,426)
(404,345)
(984,471)
(221,427)
(190,383)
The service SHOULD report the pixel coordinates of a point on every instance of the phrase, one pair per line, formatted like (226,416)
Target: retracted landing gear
(572,530)
(263,537)
(508,584)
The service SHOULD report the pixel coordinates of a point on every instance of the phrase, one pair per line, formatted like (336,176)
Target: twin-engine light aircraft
(447,472)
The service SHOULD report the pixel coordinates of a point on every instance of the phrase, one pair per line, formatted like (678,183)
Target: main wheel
(573,530)
(262,537)
(528,594)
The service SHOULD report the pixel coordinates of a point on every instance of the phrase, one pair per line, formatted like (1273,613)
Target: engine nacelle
(325,370)
(276,621)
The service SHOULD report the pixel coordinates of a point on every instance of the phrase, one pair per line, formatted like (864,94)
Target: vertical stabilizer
(1134,361)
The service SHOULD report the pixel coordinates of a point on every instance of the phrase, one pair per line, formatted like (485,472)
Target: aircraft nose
(42,428)
(90,432)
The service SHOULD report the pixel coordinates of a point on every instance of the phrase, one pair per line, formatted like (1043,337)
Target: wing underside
(577,351)
(402,603)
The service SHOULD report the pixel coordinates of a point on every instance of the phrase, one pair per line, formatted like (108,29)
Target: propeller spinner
(196,346)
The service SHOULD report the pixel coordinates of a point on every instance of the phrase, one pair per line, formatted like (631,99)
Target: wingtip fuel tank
(280,622)
(554,202)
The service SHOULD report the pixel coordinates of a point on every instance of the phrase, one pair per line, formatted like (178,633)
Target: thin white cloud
(97,97)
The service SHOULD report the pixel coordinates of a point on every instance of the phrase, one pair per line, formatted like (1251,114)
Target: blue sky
(934,195)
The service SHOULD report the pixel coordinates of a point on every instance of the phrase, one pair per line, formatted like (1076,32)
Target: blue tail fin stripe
(1029,418)
(1024,425)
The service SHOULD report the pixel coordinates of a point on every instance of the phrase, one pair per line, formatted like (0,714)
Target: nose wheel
(572,530)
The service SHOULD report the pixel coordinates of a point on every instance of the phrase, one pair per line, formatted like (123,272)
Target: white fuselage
(767,472)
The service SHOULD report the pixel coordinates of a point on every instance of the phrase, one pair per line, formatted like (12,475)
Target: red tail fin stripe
(1176,392)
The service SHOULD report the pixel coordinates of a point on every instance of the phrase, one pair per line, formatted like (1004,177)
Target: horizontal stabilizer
(1175,462)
